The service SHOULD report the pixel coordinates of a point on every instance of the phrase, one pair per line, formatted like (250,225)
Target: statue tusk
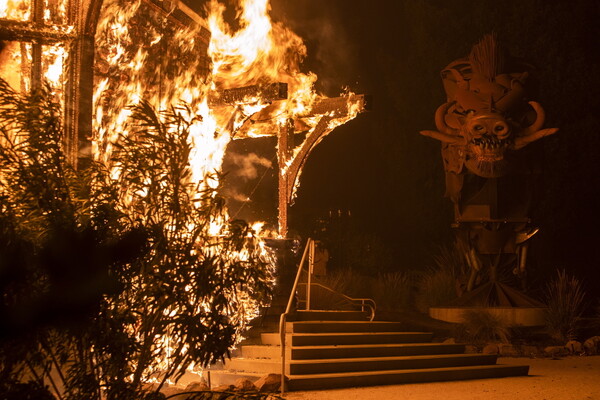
(444,137)
(522,141)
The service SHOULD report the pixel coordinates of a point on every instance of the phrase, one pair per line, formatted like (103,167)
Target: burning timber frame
(291,155)
(77,34)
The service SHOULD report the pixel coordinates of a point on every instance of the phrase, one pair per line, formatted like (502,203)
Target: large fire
(142,55)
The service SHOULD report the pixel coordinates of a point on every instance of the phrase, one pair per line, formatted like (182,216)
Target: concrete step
(343,326)
(372,378)
(374,350)
(350,351)
(329,315)
(339,365)
(302,367)
(333,339)
(263,351)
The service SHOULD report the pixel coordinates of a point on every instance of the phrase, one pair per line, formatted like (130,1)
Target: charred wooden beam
(337,107)
(291,159)
(28,32)
(250,94)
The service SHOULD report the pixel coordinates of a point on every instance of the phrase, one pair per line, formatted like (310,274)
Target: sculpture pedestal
(512,316)
(512,306)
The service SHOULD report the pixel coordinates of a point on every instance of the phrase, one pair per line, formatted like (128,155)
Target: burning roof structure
(101,56)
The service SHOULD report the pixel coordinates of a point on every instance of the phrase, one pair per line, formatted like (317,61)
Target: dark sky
(388,176)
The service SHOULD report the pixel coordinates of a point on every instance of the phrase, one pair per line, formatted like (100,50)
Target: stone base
(513,316)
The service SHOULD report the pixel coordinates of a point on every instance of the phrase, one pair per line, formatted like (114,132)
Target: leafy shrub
(565,297)
(481,326)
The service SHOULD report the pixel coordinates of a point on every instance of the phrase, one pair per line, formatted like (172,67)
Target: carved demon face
(488,136)
(482,140)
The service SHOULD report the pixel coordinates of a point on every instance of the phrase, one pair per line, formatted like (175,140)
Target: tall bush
(115,276)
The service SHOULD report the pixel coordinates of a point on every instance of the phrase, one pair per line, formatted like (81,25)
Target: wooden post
(285,146)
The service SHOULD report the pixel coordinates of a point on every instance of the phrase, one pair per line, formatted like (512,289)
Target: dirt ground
(569,378)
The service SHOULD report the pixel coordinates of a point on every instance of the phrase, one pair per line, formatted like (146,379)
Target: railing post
(311,263)
(282,333)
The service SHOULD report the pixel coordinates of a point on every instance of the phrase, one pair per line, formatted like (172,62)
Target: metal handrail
(283,317)
(364,302)
(309,251)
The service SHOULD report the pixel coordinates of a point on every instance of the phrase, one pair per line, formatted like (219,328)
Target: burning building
(100,56)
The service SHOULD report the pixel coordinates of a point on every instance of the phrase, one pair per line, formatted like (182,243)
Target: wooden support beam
(295,166)
(250,94)
(285,151)
(265,120)
(339,106)
(176,11)
(28,32)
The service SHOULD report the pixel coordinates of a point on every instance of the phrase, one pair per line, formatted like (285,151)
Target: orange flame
(19,10)
(260,51)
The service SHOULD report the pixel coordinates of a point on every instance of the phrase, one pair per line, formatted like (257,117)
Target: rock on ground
(592,345)
(244,385)
(269,383)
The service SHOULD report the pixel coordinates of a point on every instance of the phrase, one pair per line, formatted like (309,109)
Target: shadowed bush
(565,296)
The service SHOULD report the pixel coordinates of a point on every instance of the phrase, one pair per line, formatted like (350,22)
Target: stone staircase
(334,349)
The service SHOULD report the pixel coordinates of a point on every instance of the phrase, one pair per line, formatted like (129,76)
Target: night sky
(388,177)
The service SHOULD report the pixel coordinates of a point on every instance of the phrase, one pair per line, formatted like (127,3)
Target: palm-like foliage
(195,288)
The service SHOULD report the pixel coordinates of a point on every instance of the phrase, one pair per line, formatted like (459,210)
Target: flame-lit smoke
(247,164)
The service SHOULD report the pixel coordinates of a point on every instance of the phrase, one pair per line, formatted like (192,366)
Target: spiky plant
(481,326)
(565,298)
(393,290)
(442,283)
(339,282)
